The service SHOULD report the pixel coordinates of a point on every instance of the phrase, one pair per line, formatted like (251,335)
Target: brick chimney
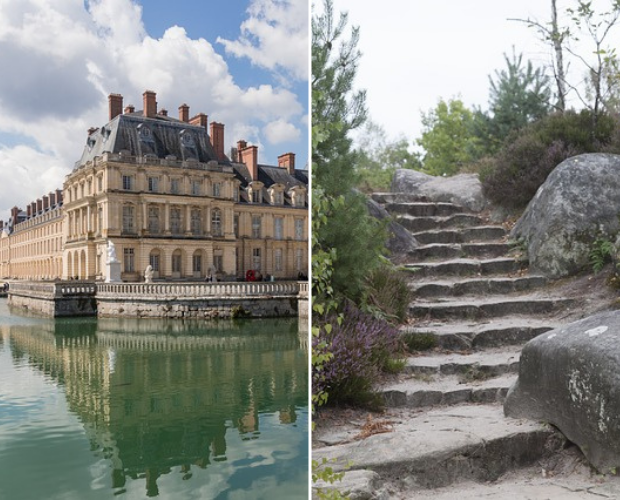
(184,112)
(241,145)
(130,108)
(217,140)
(58,196)
(249,156)
(200,119)
(287,161)
(28,211)
(46,202)
(115,102)
(39,206)
(52,197)
(163,112)
(150,103)
(14,214)
(33,208)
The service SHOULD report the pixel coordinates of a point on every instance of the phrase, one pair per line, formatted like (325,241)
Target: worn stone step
(459,250)
(442,446)
(418,224)
(387,197)
(507,331)
(476,286)
(447,391)
(464,267)
(466,235)
(422,209)
(488,307)
(471,365)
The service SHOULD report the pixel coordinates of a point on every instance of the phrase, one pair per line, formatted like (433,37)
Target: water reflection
(160,397)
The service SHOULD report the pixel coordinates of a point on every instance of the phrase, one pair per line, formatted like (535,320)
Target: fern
(601,253)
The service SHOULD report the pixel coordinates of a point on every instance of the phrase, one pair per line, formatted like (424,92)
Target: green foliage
(388,293)
(602,252)
(415,342)
(528,156)
(322,471)
(448,138)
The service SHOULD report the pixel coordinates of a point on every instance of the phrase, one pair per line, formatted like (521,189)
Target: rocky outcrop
(579,200)
(463,189)
(569,377)
(400,241)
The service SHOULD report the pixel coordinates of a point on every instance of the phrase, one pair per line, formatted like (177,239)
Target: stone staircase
(477,304)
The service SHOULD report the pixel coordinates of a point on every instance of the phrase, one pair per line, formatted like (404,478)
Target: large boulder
(400,240)
(570,377)
(464,190)
(579,201)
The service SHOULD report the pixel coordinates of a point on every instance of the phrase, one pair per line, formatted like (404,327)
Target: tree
(379,157)
(448,138)
(517,96)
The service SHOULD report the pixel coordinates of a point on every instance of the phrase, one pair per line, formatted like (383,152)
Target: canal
(118,408)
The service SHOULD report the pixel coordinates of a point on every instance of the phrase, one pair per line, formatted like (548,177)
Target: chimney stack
(241,145)
(200,119)
(52,197)
(150,103)
(115,102)
(46,203)
(130,108)
(287,161)
(249,156)
(58,196)
(14,214)
(29,211)
(39,206)
(163,112)
(184,112)
(33,208)
(217,140)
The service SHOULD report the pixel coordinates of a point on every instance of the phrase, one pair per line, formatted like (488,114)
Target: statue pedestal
(113,274)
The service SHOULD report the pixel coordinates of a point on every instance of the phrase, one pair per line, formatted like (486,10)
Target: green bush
(512,177)
(388,293)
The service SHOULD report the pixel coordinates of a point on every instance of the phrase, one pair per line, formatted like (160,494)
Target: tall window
(175,221)
(99,221)
(196,222)
(299,229)
(153,184)
(235,193)
(154,220)
(127,182)
(278,198)
(216,222)
(300,199)
(128,260)
(256,196)
(197,263)
(175,186)
(278,228)
(299,260)
(256,223)
(218,263)
(177,262)
(277,259)
(128,219)
(100,183)
(217,187)
(196,188)
(236,225)
(256,259)
(154,261)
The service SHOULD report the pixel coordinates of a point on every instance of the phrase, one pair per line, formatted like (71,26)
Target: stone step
(422,209)
(385,198)
(476,286)
(464,267)
(471,365)
(441,446)
(488,307)
(507,331)
(459,250)
(447,391)
(466,235)
(418,224)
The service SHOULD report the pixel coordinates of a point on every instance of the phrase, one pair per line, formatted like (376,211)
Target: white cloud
(280,131)
(65,58)
(275,36)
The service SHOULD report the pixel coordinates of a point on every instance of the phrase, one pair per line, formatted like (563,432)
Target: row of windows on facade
(197,264)
(176,223)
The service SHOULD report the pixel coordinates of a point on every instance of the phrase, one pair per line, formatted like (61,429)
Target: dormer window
(144,132)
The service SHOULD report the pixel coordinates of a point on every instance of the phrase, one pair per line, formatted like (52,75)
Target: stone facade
(163,191)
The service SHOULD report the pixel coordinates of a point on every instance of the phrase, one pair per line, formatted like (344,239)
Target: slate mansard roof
(161,136)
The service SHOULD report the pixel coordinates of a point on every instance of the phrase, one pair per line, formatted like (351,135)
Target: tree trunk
(557,39)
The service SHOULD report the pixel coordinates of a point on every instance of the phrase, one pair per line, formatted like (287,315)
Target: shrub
(388,293)
(521,166)
(361,348)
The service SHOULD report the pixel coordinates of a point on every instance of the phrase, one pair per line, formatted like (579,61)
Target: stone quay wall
(162,300)
(54,299)
(204,300)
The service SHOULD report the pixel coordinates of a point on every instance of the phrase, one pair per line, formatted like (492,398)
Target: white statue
(148,274)
(111,252)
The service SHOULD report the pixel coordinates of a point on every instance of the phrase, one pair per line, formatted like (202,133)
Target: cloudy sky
(416,52)
(242,62)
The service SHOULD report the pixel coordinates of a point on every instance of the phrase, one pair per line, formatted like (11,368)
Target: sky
(244,63)
(417,51)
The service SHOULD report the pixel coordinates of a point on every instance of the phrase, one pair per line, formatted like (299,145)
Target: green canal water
(128,409)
